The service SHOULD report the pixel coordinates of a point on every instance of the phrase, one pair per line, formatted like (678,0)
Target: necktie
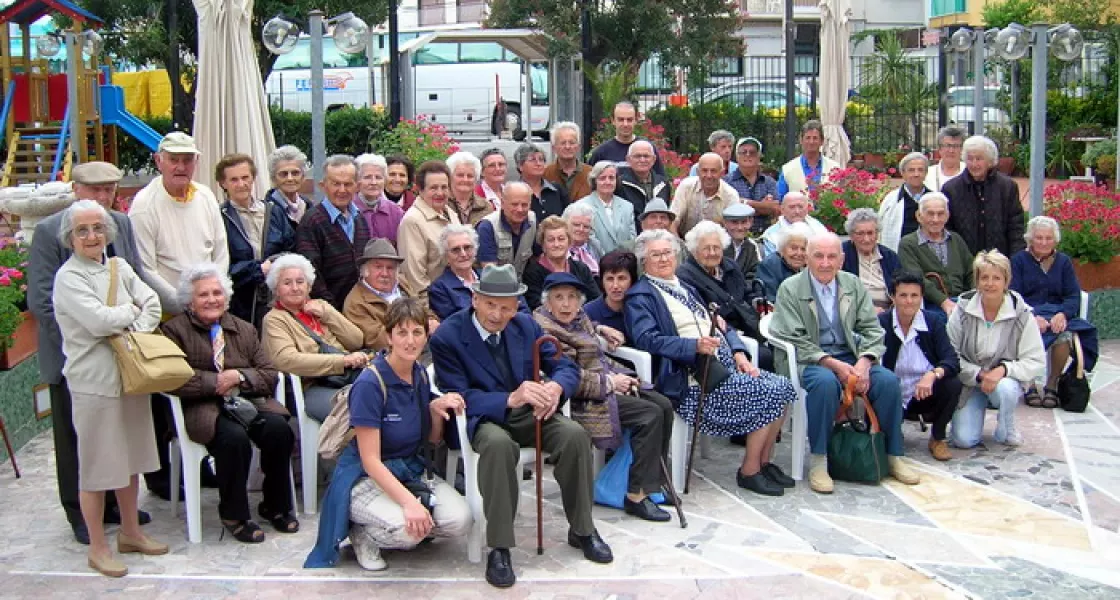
(218,342)
(501,361)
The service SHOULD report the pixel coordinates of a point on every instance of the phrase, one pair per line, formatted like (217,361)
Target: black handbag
(240,410)
(857,451)
(710,373)
(1073,387)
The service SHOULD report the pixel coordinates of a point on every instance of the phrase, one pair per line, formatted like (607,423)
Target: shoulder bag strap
(1078,357)
(314,336)
(112,300)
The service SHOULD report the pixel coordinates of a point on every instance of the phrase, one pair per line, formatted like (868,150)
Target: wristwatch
(936,374)
(242,380)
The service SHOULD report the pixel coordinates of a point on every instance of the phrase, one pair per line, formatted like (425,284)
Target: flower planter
(24,344)
(1098,276)
(874,161)
(1006,165)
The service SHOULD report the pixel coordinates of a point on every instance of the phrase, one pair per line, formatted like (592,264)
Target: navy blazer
(244,268)
(463,364)
(889,263)
(934,343)
(652,328)
(448,295)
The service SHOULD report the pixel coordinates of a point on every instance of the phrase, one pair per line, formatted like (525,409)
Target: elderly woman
(620,271)
(493,176)
(791,257)
(255,231)
(381,494)
(579,216)
(229,361)
(612,224)
(986,210)
(367,304)
(115,441)
(994,331)
(949,143)
(451,291)
(465,170)
(287,166)
(939,255)
(898,213)
(609,399)
(666,318)
(399,173)
(555,239)
(548,199)
(1045,279)
(308,337)
(422,225)
(382,216)
(867,259)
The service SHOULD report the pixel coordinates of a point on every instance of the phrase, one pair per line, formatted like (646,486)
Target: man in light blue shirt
(805,172)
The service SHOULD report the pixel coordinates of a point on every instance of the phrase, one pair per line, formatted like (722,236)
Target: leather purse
(348,376)
(857,450)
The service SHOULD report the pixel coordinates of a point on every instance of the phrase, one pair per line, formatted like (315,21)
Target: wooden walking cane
(706,360)
(539,464)
(8,446)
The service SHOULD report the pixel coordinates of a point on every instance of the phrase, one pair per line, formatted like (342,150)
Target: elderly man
(898,213)
(333,233)
(378,286)
(506,237)
(828,317)
(178,222)
(656,215)
(91,181)
(987,212)
(721,142)
(624,117)
(950,141)
(703,197)
(794,209)
(485,354)
(755,188)
(743,250)
(805,172)
(937,254)
(637,183)
(567,171)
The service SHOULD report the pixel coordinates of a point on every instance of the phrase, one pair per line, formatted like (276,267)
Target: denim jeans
(822,394)
(968,422)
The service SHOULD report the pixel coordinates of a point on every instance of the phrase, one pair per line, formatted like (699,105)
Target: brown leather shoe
(939,449)
(108,566)
(145,545)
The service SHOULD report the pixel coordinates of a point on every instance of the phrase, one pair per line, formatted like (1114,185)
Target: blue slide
(113,112)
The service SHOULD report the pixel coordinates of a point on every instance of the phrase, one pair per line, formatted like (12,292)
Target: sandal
(1032,398)
(246,532)
(283,522)
(1050,398)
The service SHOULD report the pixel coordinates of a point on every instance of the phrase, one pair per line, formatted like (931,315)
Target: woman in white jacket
(898,213)
(994,331)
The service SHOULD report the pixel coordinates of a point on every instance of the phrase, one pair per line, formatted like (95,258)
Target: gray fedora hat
(499,281)
(657,205)
(379,248)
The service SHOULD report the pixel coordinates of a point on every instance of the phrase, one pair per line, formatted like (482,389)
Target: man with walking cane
(486,354)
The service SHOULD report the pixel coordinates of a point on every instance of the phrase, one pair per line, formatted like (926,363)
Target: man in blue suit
(486,355)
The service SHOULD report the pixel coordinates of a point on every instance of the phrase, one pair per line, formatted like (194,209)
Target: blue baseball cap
(563,278)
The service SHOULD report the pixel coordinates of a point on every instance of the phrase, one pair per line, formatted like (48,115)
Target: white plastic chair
(308,441)
(799,417)
(1084,312)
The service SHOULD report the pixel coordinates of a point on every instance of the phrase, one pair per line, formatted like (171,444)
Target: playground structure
(43,133)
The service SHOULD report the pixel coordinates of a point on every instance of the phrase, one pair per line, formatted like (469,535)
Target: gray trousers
(650,421)
(499,447)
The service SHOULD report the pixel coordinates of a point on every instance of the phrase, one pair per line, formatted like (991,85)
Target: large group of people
(940,305)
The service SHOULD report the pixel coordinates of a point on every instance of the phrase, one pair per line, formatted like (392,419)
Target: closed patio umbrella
(836,77)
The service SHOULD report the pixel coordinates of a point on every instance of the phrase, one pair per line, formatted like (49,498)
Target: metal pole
(978,83)
(1039,54)
(1116,175)
(791,66)
(394,67)
(527,114)
(588,119)
(942,84)
(318,118)
(73,63)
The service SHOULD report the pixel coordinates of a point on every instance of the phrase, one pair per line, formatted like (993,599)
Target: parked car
(961,108)
(756,95)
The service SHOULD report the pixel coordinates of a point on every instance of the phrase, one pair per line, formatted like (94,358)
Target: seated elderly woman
(465,171)
(867,259)
(377,288)
(667,319)
(555,239)
(1045,278)
(620,271)
(287,166)
(451,291)
(613,223)
(382,216)
(609,399)
(939,255)
(229,361)
(579,216)
(381,494)
(309,338)
(994,331)
(789,259)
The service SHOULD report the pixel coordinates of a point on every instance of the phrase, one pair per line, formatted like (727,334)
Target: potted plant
(19,336)
(1090,218)
(846,190)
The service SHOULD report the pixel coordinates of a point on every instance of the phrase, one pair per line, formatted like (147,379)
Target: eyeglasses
(85,232)
(660,255)
(289,174)
(748,152)
(465,249)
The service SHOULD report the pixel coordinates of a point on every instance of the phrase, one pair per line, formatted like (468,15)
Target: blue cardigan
(244,268)
(934,343)
(334,515)
(889,263)
(1052,292)
(653,330)
(772,271)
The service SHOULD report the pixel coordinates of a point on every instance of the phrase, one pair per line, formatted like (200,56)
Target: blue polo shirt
(403,417)
(488,242)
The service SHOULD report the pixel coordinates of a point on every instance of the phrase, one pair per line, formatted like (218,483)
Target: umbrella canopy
(231,112)
(836,77)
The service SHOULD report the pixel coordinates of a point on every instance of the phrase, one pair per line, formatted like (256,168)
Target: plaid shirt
(763,186)
(940,249)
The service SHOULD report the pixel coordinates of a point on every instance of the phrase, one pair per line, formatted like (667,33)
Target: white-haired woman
(613,222)
(580,217)
(287,167)
(548,199)
(382,216)
(306,337)
(465,171)
(229,360)
(898,213)
(1045,278)
(866,258)
(791,257)
(666,318)
(985,207)
(115,441)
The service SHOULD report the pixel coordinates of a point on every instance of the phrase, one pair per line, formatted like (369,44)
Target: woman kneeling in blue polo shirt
(393,504)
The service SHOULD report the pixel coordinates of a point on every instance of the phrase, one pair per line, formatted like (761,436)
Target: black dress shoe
(81,534)
(758,483)
(645,509)
(774,473)
(113,516)
(499,568)
(593,546)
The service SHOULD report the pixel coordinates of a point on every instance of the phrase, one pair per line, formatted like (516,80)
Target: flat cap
(738,210)
(95,173)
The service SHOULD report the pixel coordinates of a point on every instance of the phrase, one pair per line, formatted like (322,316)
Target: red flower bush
(846,190)
(1089,215)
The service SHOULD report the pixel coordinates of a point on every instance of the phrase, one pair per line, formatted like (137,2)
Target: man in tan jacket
(368,302)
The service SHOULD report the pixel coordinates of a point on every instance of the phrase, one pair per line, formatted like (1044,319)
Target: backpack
(336,433)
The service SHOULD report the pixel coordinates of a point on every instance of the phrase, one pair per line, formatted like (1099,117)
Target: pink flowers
(1088,215)
(846,190)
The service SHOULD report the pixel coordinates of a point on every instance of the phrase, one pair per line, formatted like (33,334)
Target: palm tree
(898,87)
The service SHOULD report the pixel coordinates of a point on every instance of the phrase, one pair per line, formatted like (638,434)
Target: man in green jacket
(942,258)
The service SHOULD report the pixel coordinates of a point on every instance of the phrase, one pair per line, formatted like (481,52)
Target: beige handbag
(148,362)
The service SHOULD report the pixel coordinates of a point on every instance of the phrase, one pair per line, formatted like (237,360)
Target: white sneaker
(1014,438)
(369,557)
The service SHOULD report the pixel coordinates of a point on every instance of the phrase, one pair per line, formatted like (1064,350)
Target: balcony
(775,9)
(470,11)
(432,14)
(941,8)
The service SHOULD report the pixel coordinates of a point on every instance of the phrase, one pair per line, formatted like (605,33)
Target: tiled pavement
(1040,521)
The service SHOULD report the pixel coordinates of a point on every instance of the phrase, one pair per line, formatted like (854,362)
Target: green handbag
(857,451)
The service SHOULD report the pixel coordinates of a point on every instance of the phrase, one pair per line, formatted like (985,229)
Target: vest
(504,240)
(831,331)
(795,177)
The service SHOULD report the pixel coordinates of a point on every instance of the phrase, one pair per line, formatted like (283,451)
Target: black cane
(699,419)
